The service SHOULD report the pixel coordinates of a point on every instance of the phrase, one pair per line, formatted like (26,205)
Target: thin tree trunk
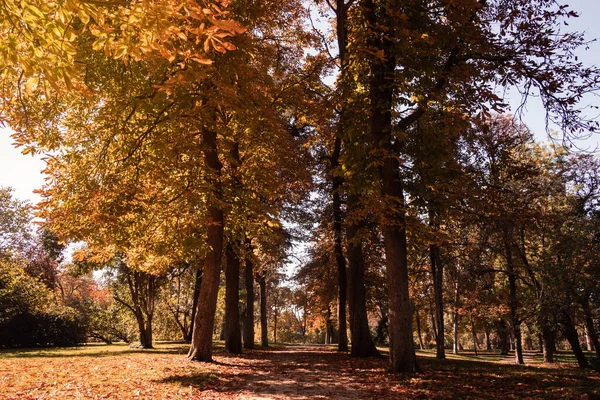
(338,249)
(264,335)
(432,319)
(437,272)
(275,326)
(455,344)
(362,342)
(573,338)
(337,180)
(393,225)
(249,317)
(474,334)
(488,342)
(591,333)
(418,320)
(197,283)
(233,338)
(201,347)
(513,304)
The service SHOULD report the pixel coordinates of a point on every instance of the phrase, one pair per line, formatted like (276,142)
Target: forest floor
(284,372)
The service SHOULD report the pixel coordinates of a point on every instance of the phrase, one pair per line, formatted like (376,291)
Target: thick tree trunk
(264,333)
(504,337)
(437,272)
(201,347)
(362,342)
(197,283)
(573,338)
(512,299)
(393,224)
(548,338)
(249,317)
(233,338)
(592,334)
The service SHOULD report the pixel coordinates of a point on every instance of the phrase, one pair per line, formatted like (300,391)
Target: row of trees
(178,132)
(512,242)
(47,300)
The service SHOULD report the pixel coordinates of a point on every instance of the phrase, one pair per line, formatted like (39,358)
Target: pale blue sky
(23,172)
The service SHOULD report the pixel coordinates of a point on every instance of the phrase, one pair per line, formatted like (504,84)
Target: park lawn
(296,372)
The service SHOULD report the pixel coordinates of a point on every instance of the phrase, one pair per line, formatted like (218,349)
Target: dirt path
(529,357)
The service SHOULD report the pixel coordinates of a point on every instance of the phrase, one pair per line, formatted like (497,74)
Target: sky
(23,172)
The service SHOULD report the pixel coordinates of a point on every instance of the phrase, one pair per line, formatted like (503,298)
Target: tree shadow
(310,373)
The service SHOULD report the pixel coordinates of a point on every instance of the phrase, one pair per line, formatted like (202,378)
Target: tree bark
(420,336)
(201,347)
(337,180)
(338,249)
(513,303)
(362,342)
(264,333)
(197,283)
(503,335)
(488,342)
(455,344)
(142,290)
(233,338)
(249,317)
(592,334)
(393,225)
(437,272)
(548,338)
(473,334)
(573,338)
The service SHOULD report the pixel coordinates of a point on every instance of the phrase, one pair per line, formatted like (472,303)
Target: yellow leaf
(31,84)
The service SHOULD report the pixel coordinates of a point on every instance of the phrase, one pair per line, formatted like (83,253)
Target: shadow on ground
(308,372)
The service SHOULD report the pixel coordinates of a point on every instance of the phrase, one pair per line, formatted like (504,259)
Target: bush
(29,314)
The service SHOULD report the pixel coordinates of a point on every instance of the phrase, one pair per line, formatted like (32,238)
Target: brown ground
(294,372)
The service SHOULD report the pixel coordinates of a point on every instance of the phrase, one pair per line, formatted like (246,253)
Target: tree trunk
(573,338)
(142,290)
(504,337)
(233,338)
(418,320)
(338,249)
(362,343)
(474,334)
(264,335)
(197,283)
(592,334)
(201,347)
(437,272)
(455,344)
(275,327)
(548,337)
(513,304)
(249,317)
(488,342)
(337,180)
(393,224)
